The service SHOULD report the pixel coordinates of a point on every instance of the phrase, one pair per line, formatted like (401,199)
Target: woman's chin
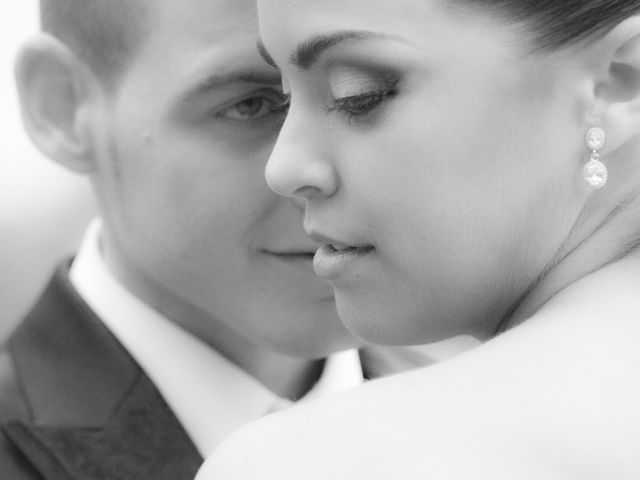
(373,323)
(377,318)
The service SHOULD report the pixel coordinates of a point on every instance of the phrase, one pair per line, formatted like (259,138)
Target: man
(191,307)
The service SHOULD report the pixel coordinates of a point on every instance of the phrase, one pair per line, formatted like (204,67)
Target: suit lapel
(95,414)
(142,441)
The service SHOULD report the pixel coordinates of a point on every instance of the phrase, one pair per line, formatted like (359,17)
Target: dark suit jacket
(75,405)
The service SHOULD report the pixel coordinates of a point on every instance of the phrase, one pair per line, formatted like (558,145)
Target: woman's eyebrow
(307,53)
(262,50)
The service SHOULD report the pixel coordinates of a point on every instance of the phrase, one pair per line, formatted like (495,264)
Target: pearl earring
(595,172)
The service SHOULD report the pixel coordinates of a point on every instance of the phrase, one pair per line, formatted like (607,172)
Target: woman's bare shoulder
(546,400)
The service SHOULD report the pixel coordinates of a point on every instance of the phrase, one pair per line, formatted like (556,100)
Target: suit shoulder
(12,401)
(13,465)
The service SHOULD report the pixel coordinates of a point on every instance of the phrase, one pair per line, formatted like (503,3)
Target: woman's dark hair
(558,23)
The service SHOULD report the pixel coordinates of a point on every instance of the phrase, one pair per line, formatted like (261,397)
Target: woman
(473,167)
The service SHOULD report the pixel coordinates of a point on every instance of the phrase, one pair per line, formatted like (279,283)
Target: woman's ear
(56,91)
(617,91)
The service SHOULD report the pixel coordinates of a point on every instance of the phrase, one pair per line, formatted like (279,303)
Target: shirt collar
(210,396)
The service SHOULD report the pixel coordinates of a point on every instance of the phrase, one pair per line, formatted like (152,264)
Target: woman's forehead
(431,27)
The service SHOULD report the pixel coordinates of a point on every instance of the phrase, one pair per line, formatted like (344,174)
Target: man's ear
(57,94)
(617,91)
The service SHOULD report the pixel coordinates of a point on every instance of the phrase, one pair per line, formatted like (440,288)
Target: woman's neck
(611,235)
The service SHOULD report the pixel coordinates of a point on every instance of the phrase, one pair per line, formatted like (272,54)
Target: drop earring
(595,172)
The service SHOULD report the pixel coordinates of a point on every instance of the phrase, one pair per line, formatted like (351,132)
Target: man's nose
(295,170)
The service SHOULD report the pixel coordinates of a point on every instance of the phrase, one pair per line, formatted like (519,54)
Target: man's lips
(291,254)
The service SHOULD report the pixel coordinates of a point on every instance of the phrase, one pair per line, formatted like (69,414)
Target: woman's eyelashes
(364,103)
(371,95)
(358,91)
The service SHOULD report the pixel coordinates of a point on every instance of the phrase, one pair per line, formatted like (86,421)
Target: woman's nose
(296,172)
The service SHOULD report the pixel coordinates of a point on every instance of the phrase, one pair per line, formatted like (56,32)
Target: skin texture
(176,155)
(465,176)
(185,194)
(467,180)
(563,407)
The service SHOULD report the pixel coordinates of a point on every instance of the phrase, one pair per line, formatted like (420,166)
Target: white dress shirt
(210,396)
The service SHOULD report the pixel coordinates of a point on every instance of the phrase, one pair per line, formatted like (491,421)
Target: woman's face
(437,159)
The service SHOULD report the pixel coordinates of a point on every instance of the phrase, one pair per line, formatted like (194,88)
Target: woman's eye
(251,108)
(362,104)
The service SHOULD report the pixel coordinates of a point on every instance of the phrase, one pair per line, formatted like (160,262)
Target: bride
(472,167)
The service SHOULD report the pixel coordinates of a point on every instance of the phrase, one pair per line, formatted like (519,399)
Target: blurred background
(43,208)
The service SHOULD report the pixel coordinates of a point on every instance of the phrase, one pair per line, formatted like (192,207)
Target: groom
(191,307)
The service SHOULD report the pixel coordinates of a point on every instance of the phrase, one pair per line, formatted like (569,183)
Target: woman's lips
(332,260)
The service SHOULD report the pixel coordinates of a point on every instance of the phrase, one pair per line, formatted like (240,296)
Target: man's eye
(249,109)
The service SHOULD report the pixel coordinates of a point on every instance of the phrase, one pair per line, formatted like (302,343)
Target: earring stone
(595,172)
(596,138)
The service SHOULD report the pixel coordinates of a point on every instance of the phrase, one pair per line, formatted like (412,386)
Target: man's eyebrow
(228,80)
(231,79)
(307,53)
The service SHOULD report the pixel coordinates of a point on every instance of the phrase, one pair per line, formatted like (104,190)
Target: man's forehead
(208,20)
(214,34)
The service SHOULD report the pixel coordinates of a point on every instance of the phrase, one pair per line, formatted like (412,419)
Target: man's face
(180,178)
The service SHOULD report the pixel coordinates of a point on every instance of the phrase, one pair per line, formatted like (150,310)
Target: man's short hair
(105,34)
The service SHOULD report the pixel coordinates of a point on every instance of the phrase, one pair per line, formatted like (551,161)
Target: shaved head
(104,33)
